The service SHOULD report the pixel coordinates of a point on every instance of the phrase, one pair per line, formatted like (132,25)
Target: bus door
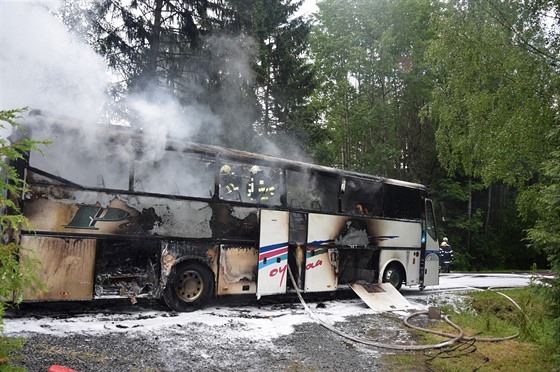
(321,259)
(273,253)
(430,240)
(297,248)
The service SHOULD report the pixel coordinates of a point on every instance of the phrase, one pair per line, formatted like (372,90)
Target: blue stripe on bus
(386,237)
(272,247)
(321,242)
(272,252)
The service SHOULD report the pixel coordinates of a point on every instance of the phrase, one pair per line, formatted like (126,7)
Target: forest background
(459,95)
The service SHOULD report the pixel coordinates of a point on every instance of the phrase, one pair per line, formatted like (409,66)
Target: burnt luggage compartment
(127,268)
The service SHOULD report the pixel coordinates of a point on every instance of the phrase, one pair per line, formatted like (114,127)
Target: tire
(189,287)
(394,275)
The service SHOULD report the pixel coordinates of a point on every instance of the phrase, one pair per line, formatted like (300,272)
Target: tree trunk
(469,215)
(150,70)
(347,135)
(488,208)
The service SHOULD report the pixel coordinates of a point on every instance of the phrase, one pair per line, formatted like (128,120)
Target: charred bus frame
(127,216)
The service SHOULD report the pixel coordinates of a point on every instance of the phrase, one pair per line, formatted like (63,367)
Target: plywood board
(381,296)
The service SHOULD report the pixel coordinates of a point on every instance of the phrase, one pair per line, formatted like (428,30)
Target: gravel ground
(226,336)
(129,343)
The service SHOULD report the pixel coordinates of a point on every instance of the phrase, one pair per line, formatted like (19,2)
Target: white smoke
(42,66)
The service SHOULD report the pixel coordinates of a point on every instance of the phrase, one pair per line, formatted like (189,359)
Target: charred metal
(184,222)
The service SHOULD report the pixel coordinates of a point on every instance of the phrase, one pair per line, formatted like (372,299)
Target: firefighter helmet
(255,169)
(225,170)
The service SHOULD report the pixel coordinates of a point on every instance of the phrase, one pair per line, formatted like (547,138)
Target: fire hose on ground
(454,338)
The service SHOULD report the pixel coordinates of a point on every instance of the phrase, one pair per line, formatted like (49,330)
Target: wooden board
(381,296)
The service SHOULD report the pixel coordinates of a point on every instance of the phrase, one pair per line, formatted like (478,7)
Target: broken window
(312,191)
(95,162)
(362,197)
(250,183)
(176,173)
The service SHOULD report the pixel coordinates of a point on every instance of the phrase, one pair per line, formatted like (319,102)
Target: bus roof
(39,117)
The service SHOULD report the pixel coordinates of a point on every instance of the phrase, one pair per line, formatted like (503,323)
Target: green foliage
(493,100)
(532,321)
(8,347)
(487,314)
(373,83)
(16,272)
(11,184)
(546,232)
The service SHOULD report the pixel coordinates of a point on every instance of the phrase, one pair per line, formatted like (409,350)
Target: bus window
(94,163)
(362,197)
(176,173)
(232,179)
(264,185)
(430,220)
(312,191)
(250,183)
(402,202)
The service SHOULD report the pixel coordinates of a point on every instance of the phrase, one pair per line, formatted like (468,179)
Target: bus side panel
(397,234)
(88,212)
(432,269)
(273,253)
(67,267)
(63,210)
(400,241)
(320,272)
(237,272)
(431,274)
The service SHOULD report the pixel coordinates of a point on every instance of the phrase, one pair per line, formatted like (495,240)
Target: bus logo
(88,216)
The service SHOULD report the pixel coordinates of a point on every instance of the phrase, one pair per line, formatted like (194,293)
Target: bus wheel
(394,275)
(189,287)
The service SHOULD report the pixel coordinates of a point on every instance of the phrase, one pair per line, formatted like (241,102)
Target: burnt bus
(116,213)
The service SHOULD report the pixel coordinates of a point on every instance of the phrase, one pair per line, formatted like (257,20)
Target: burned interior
(126,267)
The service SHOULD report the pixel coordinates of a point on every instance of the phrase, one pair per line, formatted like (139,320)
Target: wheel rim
(190,286)
(394,278)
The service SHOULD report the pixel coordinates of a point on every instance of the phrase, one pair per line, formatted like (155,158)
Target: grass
(9,345)
(487,315)
(11,349)
(83,356)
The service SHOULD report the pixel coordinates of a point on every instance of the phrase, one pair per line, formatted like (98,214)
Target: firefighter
(229,185)
(259,187)
(445,256)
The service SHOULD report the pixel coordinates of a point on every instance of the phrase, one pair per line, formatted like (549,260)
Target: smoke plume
(43,66)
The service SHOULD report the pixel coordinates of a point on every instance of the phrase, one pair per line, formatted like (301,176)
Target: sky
(308,7)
